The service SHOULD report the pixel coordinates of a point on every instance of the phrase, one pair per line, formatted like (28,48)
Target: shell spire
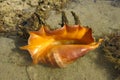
(62,46)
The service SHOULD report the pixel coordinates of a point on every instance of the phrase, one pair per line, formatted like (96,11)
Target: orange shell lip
(61,46)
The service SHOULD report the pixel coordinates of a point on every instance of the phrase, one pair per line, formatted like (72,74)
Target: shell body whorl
(62,46)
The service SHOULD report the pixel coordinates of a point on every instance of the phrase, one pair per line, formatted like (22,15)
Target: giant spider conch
(61,46)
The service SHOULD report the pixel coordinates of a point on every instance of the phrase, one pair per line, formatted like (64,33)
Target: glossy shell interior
(61,46)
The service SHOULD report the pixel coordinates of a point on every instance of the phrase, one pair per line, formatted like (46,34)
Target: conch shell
(61,46)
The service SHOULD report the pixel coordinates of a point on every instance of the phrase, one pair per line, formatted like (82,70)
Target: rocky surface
(13,12)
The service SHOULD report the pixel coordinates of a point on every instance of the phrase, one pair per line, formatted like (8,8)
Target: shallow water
(100,15)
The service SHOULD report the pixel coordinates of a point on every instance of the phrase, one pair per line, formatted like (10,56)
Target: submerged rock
(13,12)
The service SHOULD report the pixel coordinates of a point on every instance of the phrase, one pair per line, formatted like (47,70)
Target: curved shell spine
(62,46)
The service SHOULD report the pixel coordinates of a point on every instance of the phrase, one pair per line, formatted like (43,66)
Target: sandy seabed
(100,15)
